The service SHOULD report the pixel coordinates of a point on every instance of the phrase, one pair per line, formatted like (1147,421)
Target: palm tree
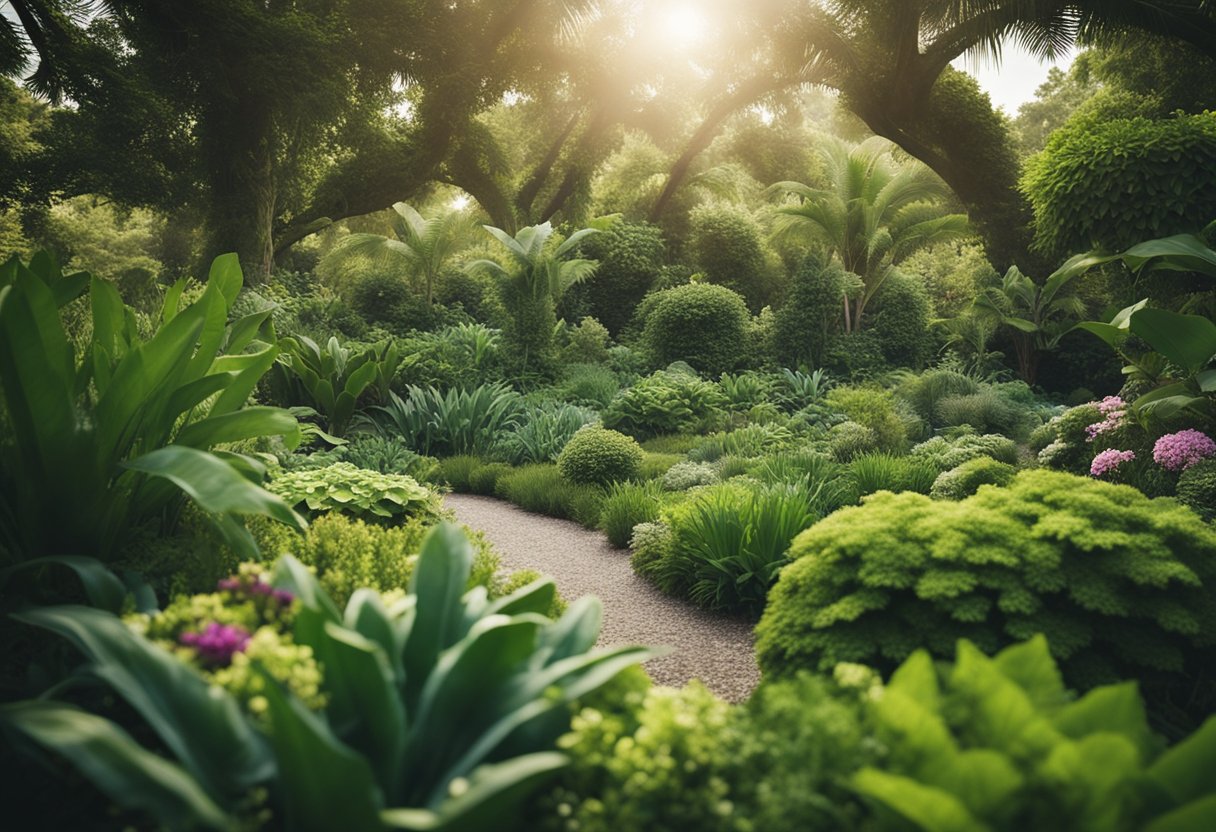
(536,278)
(421,250)
(873,215)
(1040,315)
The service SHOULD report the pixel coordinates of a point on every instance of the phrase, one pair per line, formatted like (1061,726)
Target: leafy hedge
(1113,184)
(1123,586)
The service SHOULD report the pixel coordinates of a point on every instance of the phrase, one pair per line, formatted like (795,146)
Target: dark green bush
(630,256)
(387,300)
(1123,586)
(1197,488)
(809,315)
(727,246)
(902,314)
(484,478)
(701,324)
(627,505)
(457,472)
(666,403)
(855,355)
(925,391)
(599,456)
(1116,183)
(965,480)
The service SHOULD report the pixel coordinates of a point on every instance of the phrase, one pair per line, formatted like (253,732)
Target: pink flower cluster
(1181,450)
(217,643)
(1114,410)
(255,588)
(1108,461)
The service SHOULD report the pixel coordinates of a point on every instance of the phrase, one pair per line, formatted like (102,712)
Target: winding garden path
(716,649)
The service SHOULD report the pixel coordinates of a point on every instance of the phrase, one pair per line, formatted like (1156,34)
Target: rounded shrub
(1123,586)
(701,324)
(875,409)
(599,456)
(966,479)
(944,454)
(986,411)
(666,402)
(808,317)
(727,246)
(1197,488)
(926,390)
(849,440)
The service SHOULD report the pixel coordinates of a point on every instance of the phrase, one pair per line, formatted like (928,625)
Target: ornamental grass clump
(1123,586)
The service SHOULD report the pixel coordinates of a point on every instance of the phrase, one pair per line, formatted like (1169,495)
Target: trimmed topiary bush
(1197,488)
(902,321)
(599,456)
(701,324)
(807,320)
(967,478)
(1123,586)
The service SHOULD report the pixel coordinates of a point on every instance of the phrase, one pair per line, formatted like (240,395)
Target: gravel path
(716,649)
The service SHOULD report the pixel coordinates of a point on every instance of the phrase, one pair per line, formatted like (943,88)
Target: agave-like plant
(443,708)
(451,423)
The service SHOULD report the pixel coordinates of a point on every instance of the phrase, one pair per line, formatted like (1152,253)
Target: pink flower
(1179,451)
(1109,405)
(1108,461)
(1113,409)
(217,643)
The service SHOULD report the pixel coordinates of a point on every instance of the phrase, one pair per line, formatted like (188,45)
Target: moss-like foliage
(598,456)
(701,324)
(874,408)
(356,491)
(1124,587)
(945,454)
(965,480)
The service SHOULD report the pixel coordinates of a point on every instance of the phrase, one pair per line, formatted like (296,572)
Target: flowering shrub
(1179,451)
(1108,461)
(1114,413)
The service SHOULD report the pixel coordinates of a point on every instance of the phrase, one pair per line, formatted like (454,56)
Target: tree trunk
(242,196)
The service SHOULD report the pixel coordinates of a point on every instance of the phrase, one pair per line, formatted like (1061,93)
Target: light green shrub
(875,409)
(849,440)
(650,543)
(750,441)
(598,456)
(356,491)
(699,323)
(675,443)
(542,489)
(520,579)
(625,506)
(666,403)
(688,475)
(945,454)
(348,554)
(965,480)
(1123,586)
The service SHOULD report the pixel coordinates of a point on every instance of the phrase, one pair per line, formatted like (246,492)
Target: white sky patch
(1012,82)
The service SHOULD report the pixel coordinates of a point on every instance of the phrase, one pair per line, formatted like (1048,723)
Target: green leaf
(493,793)
(202,725)
(1031,666)
(438,582)
(101,586)
(248,423)
(1199,816)
(214,484)
(225,275)
(298,579)
(1185,771)
(127,773)
(325,785)
(1187,340)
(535,597)
(1113,709)
(930,809)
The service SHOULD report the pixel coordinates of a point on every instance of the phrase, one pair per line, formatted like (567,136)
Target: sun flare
(684,25)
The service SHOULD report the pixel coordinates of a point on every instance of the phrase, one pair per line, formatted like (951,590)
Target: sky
(1011,83)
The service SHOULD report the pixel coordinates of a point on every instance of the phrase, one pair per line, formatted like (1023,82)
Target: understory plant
(441,710)
(729,542)
(1122,586)
(543,432)
(450,423)
(598,456)
(331,379)
(666,402)
(110,433)
(625,506)
(356,491)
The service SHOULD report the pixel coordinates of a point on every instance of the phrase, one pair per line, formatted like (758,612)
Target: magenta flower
(1179,451)
(1113,410)
(1108,461)
(217,643)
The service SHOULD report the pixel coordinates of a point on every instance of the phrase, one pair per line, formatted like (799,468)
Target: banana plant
(331,378)
(443,707)
(107,433)
(1181,347)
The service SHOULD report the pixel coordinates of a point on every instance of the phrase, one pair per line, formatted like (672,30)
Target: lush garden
(768,294)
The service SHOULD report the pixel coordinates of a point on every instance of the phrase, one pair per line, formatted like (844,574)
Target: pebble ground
(716,649)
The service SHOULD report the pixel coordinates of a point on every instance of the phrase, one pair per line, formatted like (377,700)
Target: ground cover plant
(881,388)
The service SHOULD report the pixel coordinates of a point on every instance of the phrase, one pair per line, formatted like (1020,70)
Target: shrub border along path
(716,649)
